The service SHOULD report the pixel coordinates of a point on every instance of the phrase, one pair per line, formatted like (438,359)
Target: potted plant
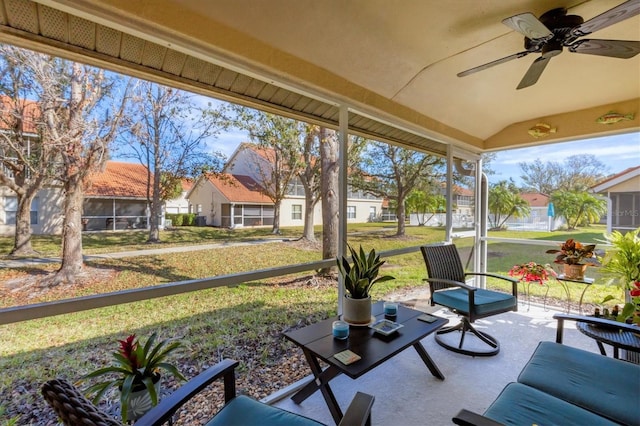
(575,257)
(532,272)
(358,280)
(622,266)
(136,373)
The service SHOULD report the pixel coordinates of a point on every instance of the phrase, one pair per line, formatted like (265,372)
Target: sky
(617,153)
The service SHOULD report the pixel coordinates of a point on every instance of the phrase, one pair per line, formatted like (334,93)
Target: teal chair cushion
(245,411)
(486,301)
(520,405)
(603,382)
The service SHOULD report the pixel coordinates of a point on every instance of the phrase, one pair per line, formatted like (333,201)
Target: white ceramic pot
(357,311)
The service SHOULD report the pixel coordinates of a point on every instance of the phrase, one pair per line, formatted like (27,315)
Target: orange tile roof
(119,179)
(30,114)
(239,188)
(535,199)
(187,184)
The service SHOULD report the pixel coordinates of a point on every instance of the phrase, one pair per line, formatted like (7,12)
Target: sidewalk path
(21,263)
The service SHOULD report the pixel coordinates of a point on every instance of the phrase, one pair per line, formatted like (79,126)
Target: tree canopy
(576,173)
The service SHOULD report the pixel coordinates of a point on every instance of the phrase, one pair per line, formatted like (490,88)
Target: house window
(296,212)
(372,213)
(295,187)
(11,207)
(351,212)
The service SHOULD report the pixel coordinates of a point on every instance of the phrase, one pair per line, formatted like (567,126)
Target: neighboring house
(180,204)
(46,211)
(238,194)
(230,201)
(623,193)
(538,218)
(46,208)
(463,208)
(116,198)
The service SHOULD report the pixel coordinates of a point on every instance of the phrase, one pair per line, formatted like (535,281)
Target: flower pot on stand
(357,311)
(574,272)
(139,401)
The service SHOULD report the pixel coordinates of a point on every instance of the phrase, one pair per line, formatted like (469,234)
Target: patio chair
(74,409)
(447,282)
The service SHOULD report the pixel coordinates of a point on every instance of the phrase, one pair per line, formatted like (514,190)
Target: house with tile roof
(229,201)
(623,195)
(236,198)
(116,198)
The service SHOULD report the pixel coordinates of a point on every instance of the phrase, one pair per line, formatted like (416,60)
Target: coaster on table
(347,357)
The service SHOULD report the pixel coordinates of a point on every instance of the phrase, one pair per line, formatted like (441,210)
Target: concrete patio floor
(407,394)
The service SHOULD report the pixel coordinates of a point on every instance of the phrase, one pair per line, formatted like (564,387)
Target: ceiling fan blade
(619,13)
(624,49)
(534,72)
(493,63)
(529,25)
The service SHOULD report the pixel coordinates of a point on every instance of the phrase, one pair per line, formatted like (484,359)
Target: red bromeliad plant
(136,367)
(532,271)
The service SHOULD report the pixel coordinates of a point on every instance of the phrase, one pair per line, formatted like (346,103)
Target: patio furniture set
(564,385)
(559,385)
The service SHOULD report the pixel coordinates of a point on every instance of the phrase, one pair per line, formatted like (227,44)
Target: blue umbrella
(550,210)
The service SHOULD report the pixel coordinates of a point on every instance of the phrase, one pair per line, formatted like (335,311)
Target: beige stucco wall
(210,200)
(631,185)
(50,203)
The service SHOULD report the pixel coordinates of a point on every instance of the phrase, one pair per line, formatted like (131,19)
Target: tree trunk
(276,218)
(309,207)
(156,209)
(72,261)
(329,193)
(400,213)
(22,238)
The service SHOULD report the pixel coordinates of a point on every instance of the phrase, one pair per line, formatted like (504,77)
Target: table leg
(428,361)
(566,290)
(321,382)
(582,297)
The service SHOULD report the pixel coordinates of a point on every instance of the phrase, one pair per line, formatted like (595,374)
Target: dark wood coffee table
(317,344)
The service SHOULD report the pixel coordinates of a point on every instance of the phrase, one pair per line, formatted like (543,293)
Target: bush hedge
(181,219)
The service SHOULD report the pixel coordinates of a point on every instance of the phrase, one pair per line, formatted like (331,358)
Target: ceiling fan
(555,30)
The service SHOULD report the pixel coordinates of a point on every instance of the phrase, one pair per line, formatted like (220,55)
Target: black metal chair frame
(445,271)
(73,408)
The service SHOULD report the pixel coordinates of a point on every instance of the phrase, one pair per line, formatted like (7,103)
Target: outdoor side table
(318,344)
(564,281)
(610,336)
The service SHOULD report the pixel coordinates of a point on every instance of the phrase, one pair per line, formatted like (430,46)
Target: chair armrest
(590,320)
(514,281)
(469,418)
(359,411)
(162,412)
(451,282)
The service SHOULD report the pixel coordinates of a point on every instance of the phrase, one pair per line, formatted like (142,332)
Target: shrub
(189,219)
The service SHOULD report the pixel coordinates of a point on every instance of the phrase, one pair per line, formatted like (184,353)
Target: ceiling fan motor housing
(560,24)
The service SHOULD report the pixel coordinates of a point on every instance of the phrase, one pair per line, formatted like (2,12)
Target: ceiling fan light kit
(555,30)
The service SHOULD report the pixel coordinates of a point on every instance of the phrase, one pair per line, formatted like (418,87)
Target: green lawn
(243,322)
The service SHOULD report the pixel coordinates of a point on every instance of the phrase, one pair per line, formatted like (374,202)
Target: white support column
(343,138)
(113,213)
(232,222)
(449,195)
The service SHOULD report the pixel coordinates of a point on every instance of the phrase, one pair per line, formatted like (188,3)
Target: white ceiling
(397,60)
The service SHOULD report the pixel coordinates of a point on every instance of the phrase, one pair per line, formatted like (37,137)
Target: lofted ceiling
(393,63)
